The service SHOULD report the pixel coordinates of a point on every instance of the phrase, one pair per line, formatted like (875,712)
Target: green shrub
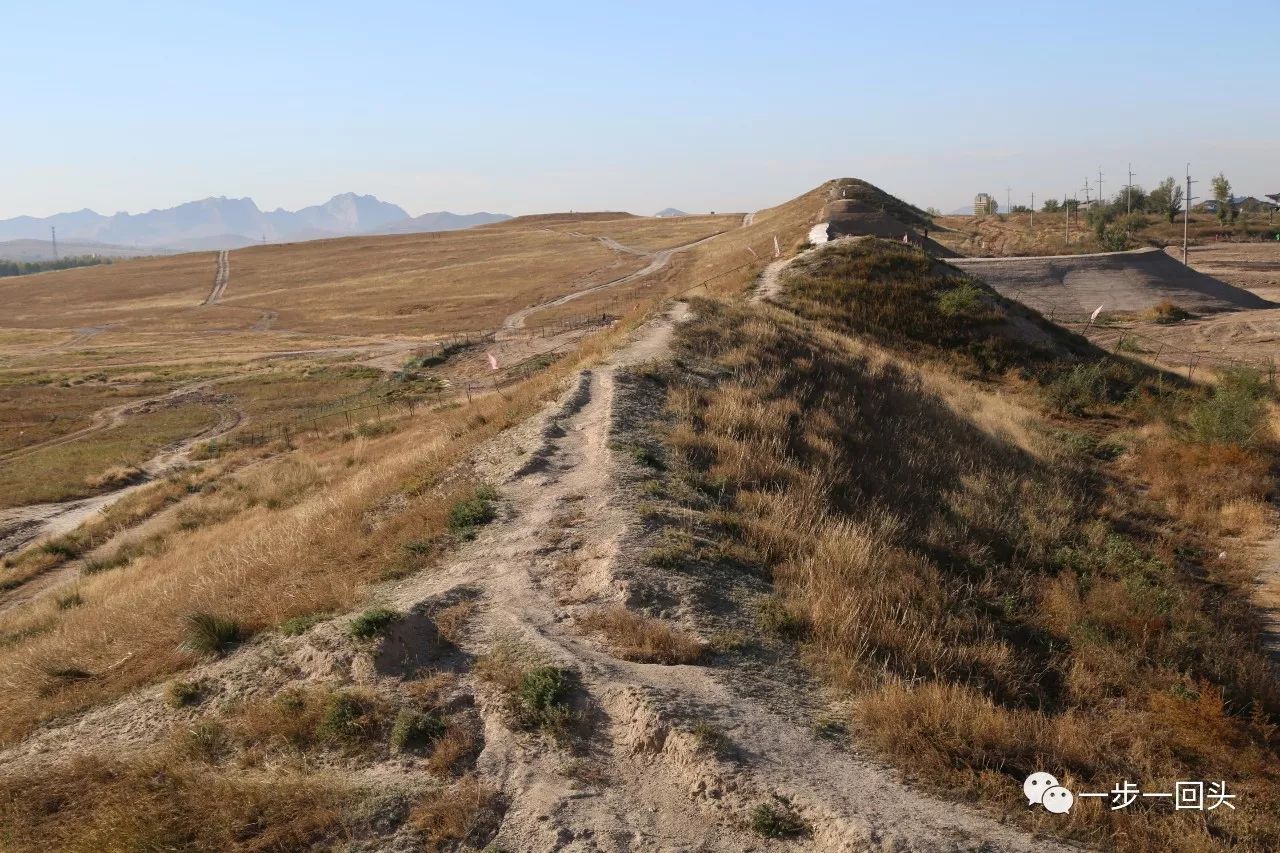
(68,600)
(961,299)
(301,624)
(777,820)
(209,633)
(542,699)
(1234,414)
(349,718)
(475,511)
(1083,387)
(414,730)
(372,622)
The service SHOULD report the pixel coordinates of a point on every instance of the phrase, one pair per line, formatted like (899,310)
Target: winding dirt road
(22,525)
(657,260)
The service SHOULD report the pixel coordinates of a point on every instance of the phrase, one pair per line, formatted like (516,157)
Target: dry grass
(994,600)
(643,639)
(1219,488)
(81,468)
(93,805)
(468,813)
(313,552)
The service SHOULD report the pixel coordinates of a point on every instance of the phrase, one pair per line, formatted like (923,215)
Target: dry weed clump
(994,601)
(643,639)
(468,812)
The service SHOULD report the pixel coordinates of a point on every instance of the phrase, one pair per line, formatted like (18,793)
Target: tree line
(12,268)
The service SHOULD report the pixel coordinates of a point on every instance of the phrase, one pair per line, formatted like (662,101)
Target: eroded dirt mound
(850,218)
(1072,285)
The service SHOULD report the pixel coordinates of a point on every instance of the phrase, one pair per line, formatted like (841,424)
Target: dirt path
(20,526)
(657,260)
(691,800)
(220,278)
(770,282)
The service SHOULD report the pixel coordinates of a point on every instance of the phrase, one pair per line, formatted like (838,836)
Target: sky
(534,107)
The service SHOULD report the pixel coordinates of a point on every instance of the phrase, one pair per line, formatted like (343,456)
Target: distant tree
(1019,208)
(1051,206)
(12,268)
(1222,195)
(1166,199)
(1073,204)
(933,211)
(1133,199)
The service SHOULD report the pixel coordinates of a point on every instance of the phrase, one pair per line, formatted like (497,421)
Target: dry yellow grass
(81,468)
(644,639)
(313,552)
(992,598)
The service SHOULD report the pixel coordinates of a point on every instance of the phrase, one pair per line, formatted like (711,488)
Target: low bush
(1235,412)
(350,718)
(777,819)
(472,512)
(372,623)
(415,730)
(210,633)
(542,699)
(179,694)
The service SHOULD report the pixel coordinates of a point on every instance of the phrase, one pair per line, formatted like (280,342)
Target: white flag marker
(1096,312)
(493,362)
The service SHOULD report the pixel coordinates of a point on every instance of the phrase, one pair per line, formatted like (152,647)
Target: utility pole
(1067,209)
(1186,215)
(1100,185)
(1033,211)
(1128,193)
(1008,205)
(53,232)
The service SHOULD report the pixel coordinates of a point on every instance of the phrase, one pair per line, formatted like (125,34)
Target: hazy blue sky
(552,106)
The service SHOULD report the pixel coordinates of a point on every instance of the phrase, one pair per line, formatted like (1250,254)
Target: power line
(1128,191)
(1186,214)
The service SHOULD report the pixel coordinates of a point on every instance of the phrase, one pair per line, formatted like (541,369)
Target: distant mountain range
(670,211)
(228,223)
